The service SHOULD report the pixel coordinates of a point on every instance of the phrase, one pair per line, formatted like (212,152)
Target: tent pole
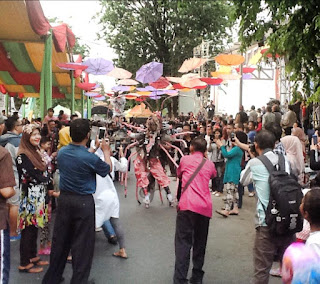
(23,108)
(88,108)
(82,104)
(7,104)
(48,71)
(72,91)
(42,94)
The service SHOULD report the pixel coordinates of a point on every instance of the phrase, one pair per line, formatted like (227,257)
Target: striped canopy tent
(30,49)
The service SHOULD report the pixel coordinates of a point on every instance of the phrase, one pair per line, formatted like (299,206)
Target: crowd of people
(55,164)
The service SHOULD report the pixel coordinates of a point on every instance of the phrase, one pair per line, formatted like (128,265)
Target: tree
(141,31)
(291,28)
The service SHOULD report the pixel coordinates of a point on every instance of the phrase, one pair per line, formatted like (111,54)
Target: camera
(252,148)
(232,137)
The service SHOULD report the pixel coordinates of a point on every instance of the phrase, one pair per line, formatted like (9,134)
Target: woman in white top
(214,154)
(107,201)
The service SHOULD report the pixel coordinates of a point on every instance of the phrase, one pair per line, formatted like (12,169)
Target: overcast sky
(78,14)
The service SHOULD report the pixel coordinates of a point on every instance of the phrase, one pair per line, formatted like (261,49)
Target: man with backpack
(277,217)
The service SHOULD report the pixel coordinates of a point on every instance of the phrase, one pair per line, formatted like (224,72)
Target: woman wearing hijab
(33,178)
(294,153)
(297,131)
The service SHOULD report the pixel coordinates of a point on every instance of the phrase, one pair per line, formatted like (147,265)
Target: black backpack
(283,215)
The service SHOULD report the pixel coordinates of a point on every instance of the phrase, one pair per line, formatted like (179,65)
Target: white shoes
(251,194)
(170,199)
(98,229)
(146,200)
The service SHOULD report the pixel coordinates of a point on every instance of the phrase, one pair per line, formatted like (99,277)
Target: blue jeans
(251,187)
(4,256)
(108,229)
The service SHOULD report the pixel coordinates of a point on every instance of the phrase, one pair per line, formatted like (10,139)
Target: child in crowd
(301,262)
(45,243)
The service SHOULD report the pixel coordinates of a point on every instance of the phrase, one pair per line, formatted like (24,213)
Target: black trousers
(191,232)
(28,244)
(74,229)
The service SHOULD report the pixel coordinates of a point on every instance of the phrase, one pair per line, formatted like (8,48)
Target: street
(150,246)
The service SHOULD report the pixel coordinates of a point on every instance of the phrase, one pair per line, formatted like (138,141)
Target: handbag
(180,189)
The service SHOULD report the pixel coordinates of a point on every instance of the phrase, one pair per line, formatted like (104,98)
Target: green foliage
(82,49)
(141,31)
(291,28)
(163,30)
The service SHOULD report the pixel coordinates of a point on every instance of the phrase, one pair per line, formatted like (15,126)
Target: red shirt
(196,197)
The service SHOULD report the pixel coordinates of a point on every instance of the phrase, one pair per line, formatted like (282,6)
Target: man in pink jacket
(195,211)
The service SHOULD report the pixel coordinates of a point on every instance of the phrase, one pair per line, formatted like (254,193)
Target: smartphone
(102,133)
(252,148)
(232,137)
(94,132)
(315,139)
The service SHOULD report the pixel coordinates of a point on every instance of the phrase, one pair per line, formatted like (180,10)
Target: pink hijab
(297,131)
(294,153)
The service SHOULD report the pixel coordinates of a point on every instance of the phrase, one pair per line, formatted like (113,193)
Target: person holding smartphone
(314,148)
(75,218)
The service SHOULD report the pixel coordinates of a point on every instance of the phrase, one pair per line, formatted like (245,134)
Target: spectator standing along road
(7,182)
(264,245)
(75,220)
(193,218)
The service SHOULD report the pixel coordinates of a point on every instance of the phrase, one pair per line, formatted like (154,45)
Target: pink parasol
(269,55)
(119,73)
(246,70)
(161,83)
(212,81)
(86,86)
(192,83)
(72,66)
(128,82)
(191,64)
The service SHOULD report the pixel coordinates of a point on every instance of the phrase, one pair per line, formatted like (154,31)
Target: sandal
(222,213)
(39,261)
(31,269)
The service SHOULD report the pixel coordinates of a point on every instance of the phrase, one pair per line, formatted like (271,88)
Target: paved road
(150,246)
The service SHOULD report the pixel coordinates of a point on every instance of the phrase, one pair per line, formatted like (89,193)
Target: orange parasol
(140,111)
(229,59)
(191,64)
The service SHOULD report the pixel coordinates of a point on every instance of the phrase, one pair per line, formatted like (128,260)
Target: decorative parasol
(128,82)
(99,98)
(212,81)
(230,76)
(72,66)
(150,72)
(229,59)
(269,55)
(121,88)
(161,83)
(146,89)
(91,94)
(246,69)
(98,66)
(119,73)
(191,64)
(86,86)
